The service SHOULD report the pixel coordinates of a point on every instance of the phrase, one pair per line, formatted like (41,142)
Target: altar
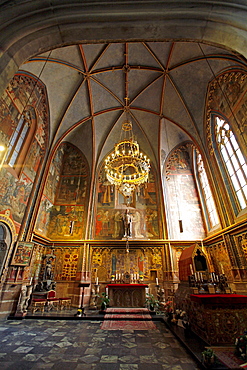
(127,295)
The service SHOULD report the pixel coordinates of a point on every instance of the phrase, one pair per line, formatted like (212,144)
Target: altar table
(127,295)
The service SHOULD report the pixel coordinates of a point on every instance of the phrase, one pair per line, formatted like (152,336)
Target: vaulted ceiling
(160,86)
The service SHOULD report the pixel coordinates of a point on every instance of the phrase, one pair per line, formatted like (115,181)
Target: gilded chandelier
(127,167)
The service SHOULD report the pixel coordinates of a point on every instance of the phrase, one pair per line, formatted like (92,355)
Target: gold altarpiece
(150,262)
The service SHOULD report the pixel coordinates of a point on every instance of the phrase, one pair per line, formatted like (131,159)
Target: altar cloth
(219,298)
(127,285)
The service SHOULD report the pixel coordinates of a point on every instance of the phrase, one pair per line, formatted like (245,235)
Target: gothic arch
(60,24)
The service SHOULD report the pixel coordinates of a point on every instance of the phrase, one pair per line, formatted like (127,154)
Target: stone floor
(82,345)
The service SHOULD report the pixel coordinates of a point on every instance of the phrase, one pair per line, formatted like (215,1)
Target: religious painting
(23,253)
(183,204)
(111,211)
(54,174)
(22,91)
(115,261)
(33,160)
(43,218)
(63,206)
(14,193)
(73,180)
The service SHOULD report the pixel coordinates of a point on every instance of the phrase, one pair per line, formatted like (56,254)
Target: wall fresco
(63,205)
(111,207)
(23,94)
(182,198)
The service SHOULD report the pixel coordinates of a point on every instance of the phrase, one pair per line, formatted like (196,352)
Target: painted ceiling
(161,86)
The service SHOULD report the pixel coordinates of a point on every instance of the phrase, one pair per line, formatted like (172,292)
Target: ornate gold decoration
(127,167)
(224,95)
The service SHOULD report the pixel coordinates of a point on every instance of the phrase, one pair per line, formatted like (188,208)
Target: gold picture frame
(23,253)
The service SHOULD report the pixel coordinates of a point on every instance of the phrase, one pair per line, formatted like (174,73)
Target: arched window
(233,159)
(2,233)
(18,138)
(210,212)
(5,242)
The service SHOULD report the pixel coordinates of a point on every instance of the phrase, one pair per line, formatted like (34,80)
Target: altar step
(127,313)
(116,318)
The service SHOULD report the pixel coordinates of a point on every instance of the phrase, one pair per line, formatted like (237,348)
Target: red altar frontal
(127,295)
(218,318)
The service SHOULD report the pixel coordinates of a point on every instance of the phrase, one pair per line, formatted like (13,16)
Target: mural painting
(183,202)
(23,91)
(111,208)
(14,193)
(62,209)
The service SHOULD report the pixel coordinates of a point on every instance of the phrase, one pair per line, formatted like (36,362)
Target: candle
(157,281)
(97,280)
(191,269)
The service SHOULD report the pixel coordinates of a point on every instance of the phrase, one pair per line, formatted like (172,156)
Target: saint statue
(127,219)
(48,275)
(200,261)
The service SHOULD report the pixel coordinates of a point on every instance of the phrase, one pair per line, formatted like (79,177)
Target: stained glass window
(17,140)
(233,159)
(212,216)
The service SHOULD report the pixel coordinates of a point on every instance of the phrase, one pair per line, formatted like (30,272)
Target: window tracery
(207,196)
(232,158)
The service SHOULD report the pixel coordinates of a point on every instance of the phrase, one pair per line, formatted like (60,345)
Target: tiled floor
(82,345)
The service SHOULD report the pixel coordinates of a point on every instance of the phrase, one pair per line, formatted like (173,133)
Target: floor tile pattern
(82,345)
